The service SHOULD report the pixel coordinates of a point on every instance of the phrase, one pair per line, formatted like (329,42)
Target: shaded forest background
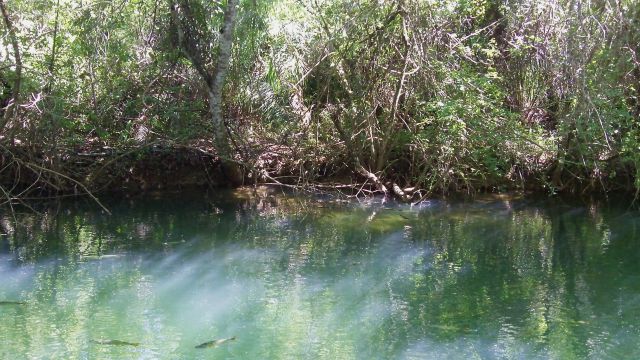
(407,97)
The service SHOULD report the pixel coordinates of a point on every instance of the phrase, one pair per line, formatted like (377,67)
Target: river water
(312,277)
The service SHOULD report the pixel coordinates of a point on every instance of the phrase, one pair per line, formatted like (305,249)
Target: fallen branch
(400,193)
(373,178)
(81,185)
(39,170)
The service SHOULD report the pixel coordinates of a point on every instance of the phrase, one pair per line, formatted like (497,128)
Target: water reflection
(296,277)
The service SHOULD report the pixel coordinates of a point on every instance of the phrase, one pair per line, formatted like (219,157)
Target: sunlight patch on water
(493,279)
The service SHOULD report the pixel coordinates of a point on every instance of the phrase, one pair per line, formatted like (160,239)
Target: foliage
(448,95)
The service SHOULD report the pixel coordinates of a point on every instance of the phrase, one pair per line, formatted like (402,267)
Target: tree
(13,106)
(194,37)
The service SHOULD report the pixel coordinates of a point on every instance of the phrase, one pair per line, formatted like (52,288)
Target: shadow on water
(303,277)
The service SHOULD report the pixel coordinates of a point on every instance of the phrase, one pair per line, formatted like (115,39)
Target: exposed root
(16,164)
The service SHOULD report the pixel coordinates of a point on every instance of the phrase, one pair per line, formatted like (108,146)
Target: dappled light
(325,179)
(500,277)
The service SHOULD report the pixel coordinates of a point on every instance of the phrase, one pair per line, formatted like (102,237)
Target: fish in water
(100,257)
(173,243)
(214,343)
(12,303)
(115,342)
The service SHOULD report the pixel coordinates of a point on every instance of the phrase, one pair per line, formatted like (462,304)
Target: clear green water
(298,278)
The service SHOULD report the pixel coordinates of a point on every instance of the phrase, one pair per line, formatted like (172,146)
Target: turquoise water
(295,277)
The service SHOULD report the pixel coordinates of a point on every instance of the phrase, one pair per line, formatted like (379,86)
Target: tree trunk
(52,60)
(12,108)
(388,137)
(190,47)
(217,84)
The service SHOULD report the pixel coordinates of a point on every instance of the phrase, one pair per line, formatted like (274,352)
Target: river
(284,276)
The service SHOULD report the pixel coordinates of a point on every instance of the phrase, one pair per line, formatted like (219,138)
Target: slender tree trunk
(217,83)
(190,48)
(214,79)
(52,61)
(389,135)
(92,78)
(12,109)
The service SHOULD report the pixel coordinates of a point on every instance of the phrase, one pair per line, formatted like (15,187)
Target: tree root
(38,171)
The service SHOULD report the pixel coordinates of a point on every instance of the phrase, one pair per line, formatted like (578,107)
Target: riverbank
(165,166)
(409,99)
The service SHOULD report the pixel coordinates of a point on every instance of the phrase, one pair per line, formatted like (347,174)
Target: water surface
(296,277)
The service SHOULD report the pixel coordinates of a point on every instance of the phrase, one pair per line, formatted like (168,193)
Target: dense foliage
(440,95)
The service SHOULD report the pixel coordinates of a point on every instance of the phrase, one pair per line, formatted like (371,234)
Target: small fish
(169,243)
(115,342)
(444,327)
(12,303)
(100,257)
(214,343)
